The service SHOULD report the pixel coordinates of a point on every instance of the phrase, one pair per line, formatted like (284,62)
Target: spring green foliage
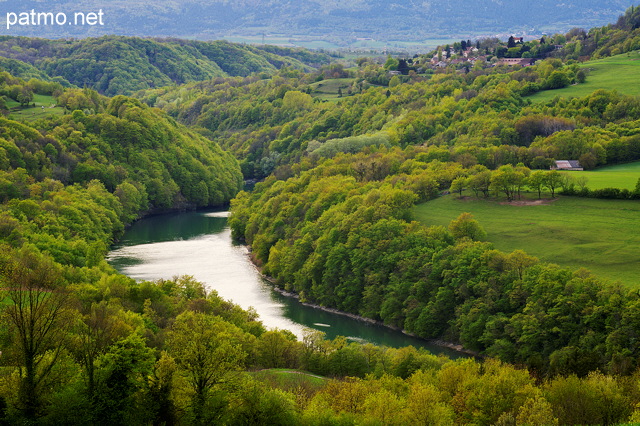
(344,240)
(78,340)
(332,222)
(482,117)
(351,144)
(115,65)
(141,156)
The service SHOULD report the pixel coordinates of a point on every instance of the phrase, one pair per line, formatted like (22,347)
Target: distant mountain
(122,65)
(328,19)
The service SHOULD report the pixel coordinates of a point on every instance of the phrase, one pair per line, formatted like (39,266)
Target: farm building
(567,165)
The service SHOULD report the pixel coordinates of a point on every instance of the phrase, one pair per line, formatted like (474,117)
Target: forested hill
(115,65)
(137,152)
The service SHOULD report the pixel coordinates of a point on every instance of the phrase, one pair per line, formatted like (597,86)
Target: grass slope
(327,90)
(620,72)
(619,176)
(291,380)
(571,232)
(34,113)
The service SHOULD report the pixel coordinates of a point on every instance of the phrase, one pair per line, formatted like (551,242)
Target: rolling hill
(122,65)
(620,73)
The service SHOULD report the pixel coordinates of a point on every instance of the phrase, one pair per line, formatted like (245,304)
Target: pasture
(329,90)
(599,235)
(620,72)
(618,176)
(31,113)
(291,380)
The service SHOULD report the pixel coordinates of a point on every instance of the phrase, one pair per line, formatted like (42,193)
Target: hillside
(619,73)
(122,65)
(342,22)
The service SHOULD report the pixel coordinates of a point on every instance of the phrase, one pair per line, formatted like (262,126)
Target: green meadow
(620,73)
(328,90)
(600,235)
(618,176)
(31,113)
(290,380)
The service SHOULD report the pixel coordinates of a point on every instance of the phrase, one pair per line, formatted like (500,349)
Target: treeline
(340,234)
(512,181)
(117,65)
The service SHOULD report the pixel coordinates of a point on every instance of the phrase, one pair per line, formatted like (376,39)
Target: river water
(199,244)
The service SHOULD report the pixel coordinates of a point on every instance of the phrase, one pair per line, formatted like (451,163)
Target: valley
(423,194)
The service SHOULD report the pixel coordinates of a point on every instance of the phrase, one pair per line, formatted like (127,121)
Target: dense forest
(116,65)
(483,117)
(331,220)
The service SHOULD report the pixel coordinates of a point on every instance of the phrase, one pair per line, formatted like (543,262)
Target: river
(199,244)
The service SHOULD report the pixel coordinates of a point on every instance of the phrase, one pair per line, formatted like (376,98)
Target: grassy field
(290,380)
(619,73)
(600,235)
(327,90)
(30,113)
(619,176)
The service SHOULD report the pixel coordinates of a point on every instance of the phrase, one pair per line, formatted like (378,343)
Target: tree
(403,67)
(466,226)
(552,181)
(588,161)
(124,373)
(557,80)
(277,349)
(295,100)
(458,184)
(581,76)
(100,328)
(511,43)
(536,181)
(480,182)
(38,316)
(582,182)
(636,190)
(536,411)
(508,180)
(207,349)
(391,64)
(25,96)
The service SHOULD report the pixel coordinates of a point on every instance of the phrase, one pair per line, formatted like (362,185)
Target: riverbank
(436,342)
